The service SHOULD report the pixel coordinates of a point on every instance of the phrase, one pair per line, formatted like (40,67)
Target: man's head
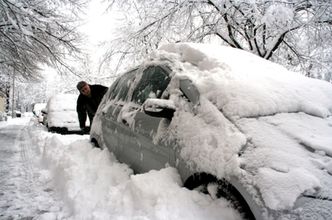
(84,88)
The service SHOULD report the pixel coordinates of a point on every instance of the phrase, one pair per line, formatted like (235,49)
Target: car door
(116,134)
(147,152)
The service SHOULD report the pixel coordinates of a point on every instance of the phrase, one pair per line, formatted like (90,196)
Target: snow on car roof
(62,102)
(39,106)
(61,110)
(243,84)
(280,119)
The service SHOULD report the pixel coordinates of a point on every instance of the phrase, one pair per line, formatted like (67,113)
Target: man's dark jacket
(88,105)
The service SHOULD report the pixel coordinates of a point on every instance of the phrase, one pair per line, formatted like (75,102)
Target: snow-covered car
(18,113)
(3,116)
(37,111)
(233,124)
(60,114)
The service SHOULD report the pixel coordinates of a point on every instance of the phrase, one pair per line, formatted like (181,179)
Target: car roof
(62,102)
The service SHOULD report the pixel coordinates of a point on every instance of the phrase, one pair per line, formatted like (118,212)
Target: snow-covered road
(25,193)
(46,176)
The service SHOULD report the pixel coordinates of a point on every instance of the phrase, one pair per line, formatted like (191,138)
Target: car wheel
(217,188)
(95,143)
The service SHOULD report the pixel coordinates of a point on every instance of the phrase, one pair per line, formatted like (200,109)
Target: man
(88,102)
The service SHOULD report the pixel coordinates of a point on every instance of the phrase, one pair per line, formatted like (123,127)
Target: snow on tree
(34,32)
(292,32)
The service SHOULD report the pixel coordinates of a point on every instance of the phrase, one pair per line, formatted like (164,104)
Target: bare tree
(35,31)
(276,30)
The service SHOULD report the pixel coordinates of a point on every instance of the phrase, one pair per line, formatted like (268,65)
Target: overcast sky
(99,22)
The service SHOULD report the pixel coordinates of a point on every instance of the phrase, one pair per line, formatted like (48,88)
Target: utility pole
(7,95)
(13,96)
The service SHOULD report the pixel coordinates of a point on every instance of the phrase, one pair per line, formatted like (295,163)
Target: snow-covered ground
(25,187)
(52,176)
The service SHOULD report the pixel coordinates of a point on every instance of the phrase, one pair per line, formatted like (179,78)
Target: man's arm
(81,111)
(101,90)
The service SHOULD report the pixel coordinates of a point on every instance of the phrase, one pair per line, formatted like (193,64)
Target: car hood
(288,155)
(307,208)
(278,158)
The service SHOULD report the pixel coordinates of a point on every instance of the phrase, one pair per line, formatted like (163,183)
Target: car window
(122,85)
(111,90)
(152,84)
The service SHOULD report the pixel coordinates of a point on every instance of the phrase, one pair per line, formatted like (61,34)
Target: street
(25,193)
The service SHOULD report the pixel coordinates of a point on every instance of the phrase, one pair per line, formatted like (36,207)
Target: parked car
(3,116)
(60,114)
(37,111)
(18,113)
(233,124)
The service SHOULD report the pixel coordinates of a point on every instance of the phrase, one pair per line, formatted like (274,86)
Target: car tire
(95,143)
(204,182)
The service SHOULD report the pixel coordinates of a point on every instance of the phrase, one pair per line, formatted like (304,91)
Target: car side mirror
(162,108)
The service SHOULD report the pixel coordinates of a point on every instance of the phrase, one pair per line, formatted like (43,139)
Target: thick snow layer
(93,185)
(210,141)
(281,189)
(242,84)
(269,127)
(61,111)
(38,107)
(287,153)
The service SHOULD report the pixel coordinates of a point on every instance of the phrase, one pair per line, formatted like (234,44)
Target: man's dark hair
(81,84)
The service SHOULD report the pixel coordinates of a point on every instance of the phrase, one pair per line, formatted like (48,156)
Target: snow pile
(94,185)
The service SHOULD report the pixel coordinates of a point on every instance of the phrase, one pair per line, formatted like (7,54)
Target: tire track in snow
(25,191)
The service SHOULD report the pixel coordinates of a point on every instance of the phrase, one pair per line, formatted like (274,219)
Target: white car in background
(233,124)
(3,116)
(37,111)
(60,114)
